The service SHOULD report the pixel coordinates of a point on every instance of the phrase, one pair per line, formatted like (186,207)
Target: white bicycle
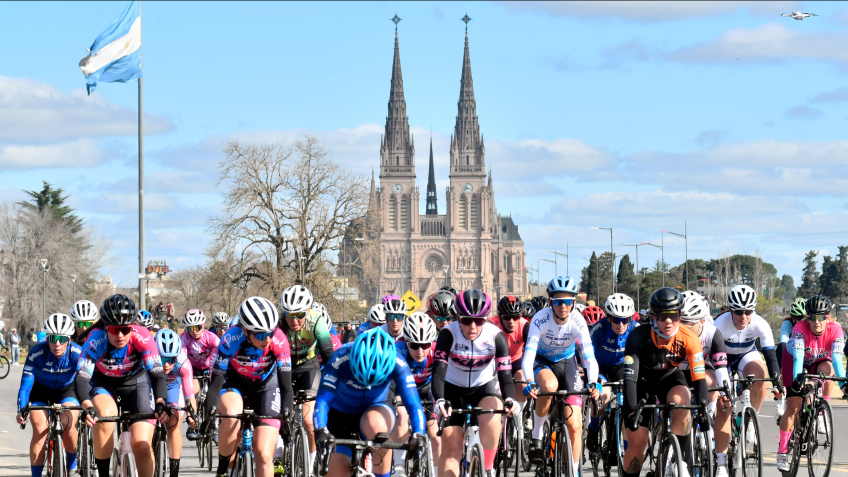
(472,464)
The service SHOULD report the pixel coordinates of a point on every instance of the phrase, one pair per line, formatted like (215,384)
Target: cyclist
(527,310)
(797,312)
(608,339)
(694,316)
(442,308)
(177,370)
(539,303)
(322,310)
(376,318)
(146,320)
(471,360)
(252,370)
(395,310)
(309,336)
(652,358)
(84,313)
(592,314)
(220,323)
(549,359)
(48,378)
(201,347)
(511,322)
(816,347)
(120,361)
(351,402)
(741,327)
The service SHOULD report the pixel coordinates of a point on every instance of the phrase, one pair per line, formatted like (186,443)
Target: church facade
(468,246)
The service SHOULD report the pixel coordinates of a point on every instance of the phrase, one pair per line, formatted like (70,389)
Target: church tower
(432,202)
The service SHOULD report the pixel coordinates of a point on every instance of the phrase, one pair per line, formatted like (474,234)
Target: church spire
(467,143)
(397,148)
(432,202)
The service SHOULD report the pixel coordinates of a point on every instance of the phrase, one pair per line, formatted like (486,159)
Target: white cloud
(80,153)
(649,11)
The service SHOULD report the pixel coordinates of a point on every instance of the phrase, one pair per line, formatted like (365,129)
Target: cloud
(711,137)
(558,157)
(185,182)
(80,153)
(649,11)
(803,112)
(836,96)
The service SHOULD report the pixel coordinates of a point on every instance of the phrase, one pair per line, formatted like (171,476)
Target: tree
(788,284)
(626,280)
(53,200)
(809,276)
(589,276)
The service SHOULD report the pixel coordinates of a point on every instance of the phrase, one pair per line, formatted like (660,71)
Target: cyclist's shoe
(278,466)
(783,462)
(536,451)
(592,440)
(74,472)
(751,436)
(399,471)
(721,471)
(191,435)
(821,427)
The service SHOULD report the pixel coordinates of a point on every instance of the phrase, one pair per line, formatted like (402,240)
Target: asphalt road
(14,442)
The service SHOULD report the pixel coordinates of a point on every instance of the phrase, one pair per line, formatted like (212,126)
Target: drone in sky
(798,15)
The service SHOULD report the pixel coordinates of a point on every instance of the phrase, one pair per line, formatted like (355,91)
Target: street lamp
(44,269)
(562,255)
(551,261)
(74,282)
(612,252)
(662,255)
(686,239)
(638,288)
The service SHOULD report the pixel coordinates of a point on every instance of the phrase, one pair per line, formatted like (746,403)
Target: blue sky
(638,116)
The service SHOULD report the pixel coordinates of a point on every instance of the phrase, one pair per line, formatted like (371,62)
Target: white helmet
(321,309)
(395,306)
(377,314)
(221,320)
(419,328)
(295,299)
(579,308)
(59,324)
(742,297)
(619,305)
(258,315)
(194,317)
(695,307)
(85,310)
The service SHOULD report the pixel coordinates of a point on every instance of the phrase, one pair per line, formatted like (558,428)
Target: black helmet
(539,302)
(666,299)
(510,306)
(452,290)
(473,303)
(443,304)
(818,305)
(528,310)
(118,310)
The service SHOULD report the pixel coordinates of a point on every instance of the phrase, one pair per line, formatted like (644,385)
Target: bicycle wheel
(208,442)
(300,454)
(598,458)
(130,470)
(820,440)
(619,424)
(83,451)
(563,454)
(703,464)
(795,443)
(527,417)
(160,454)
(652,452)
(508,457)
(671,459)
(476,467)
(201,446)
(753,465)
(5,366)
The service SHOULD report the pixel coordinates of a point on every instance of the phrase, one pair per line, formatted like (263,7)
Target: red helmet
(636,317)
(592,314)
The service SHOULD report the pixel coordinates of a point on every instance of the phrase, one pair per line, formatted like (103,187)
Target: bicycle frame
(666,412)
(359,449)
(123,464)
(471,433)
(54,428)
(745,383)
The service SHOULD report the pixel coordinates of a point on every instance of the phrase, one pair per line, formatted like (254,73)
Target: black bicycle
(123,459)
(296,456)
(85,449)
(361,448)
(204,441)
(54,456)
(558,455)
(160,442)
(610,451)
(243,461)
(5,362)
(663,456)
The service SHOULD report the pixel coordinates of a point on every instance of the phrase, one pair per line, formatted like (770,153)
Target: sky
(638,116)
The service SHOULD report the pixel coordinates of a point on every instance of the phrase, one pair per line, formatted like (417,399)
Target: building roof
(509,231)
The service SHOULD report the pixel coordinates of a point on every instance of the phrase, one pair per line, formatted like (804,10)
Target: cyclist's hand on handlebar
(593,390)
(531,389)
(416,441)
(797,386)
(630,419)
(90,416)
(191,422)
(163,412)
(511,406)
(20,419)
(323,439)
(442,408)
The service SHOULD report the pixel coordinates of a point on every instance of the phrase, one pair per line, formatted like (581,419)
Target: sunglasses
(510,318)
(169,359)
(562,301)
(194,328)
(817,317)
(418,346)
(468,321)
(58,339)
(119,330)
(83,324)
(619,321)
(395,317)
(262,336)
(743,312)
(443,318)
(672,317)
(297,315)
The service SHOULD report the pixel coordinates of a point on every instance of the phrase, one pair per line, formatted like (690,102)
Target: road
(14,442)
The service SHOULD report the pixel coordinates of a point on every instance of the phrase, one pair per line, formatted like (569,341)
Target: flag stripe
(117,49)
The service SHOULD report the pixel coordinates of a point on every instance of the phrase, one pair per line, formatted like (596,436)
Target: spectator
(160,311)
(15,341)
(41,336)
(348,333)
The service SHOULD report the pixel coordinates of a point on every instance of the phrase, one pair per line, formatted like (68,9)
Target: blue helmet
(562,285)
(372,357)
(168,342)
(145,319)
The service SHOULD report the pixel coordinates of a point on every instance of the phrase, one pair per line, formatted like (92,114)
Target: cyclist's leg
(452,436)
(787,422)
(231,403)
(266,402)
(750,364)
(175,437)
(571,379)
(378,418)
(104,405)
(722,429)
(682,418)
(400,433)
(724,414)
(518,375)
(490,426)
(141,441)
(547,382)
(826,367)
(634,454)
(38,420)
(309,381)
(342,426)
(69,420)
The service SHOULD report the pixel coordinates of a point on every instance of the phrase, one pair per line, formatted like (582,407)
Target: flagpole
(141,272)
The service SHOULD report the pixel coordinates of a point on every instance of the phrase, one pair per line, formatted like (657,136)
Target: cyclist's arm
(322,340)
(219,373)
(837,350)
(406,388)
(795,347)
(632,349)
(503,364)
(327,389)
(697,370)
(440,362)
(187,377)
(588,354)
(531,342)
(767,347)
(27,380)
(719,357)
(785,331)
(92,350)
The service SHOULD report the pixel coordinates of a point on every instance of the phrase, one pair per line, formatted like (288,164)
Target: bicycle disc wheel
(476,466)
(300,454)
(820,440)
(4,367)
(753,465)
(671,459)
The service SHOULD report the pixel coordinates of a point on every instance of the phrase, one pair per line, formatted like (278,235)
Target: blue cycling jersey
(340,391)
(44,368)
(609,346)
(421,371)
(364,327)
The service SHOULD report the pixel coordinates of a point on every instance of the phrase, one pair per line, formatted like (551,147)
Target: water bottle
(781,406)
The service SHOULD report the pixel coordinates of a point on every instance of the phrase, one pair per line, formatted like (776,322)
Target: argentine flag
(115,56)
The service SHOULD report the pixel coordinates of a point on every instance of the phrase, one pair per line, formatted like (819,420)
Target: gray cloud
(649,11)
(803,112)
(836,96)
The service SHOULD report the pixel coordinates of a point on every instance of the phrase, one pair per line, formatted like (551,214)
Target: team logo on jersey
(698,357)
(330,378)
(628,360)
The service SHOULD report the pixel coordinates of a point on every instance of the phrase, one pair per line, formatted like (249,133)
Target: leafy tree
(626,279)
(788,284)
(53,200)
(810,276)
(589,275)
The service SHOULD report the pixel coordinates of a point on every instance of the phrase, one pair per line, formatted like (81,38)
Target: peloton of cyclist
(608,339)
(442,308)
(177,370)
(549,359)
(351,402)
(252,370)
(652,357)
(815,347)
(84,313)
(797,313)
(48,378)
(220,323)
(201,347)
(515,327)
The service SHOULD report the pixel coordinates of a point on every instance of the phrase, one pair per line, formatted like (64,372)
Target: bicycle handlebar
(128,417)
(55,407)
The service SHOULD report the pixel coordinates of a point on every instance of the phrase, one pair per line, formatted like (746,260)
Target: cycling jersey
(557,342)
(340,391)
(47,370)
(314,335)
(200,352)
(385,327)
(786,330)
(181,376)
(712,344)
(422,371)
(516,338)
(609,345)
(738,343)
(472,363)
(808,348)
(364,327)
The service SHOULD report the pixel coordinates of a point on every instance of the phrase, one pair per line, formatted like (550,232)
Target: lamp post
(638,288)
(446,267)
(562,255)
(686,239)
(44,269)
(74,284)
(612,252)
(662,255)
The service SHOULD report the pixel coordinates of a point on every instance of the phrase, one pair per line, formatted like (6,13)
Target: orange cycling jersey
(516,338)
(643,352)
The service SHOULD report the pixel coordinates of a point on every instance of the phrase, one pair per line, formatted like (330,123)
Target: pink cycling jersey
(201,351)
(140,353)
(807,349)
(182,371)
(250,363)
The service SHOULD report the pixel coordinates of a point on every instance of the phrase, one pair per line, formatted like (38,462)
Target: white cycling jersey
(385,327)
(740,342)
(706,337)
(556,342)
(472,363)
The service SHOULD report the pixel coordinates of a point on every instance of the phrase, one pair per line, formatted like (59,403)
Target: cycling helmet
(377,315)
(619,305)
(326,321)
(394,306)
(194,317)
(59,324)
(510,306)
(592,314)
(540,303)
(666,299)
(742,297)
(473,304)
(168,342)
(450,290)
(84,310)
(579,308)
(145,319)
(799,307)
(443,303)
(321,309)
(562,285)
(258,315)
(372,357)
(118,310)
(527,310)
(695,307)
(390,298)
(643,314)
(296,299)
(419,328)
(818,305)
(221,320)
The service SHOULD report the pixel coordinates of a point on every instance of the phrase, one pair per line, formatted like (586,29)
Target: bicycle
(297,448)
(558,455)
(471,464)
(807,437)
(55,459)
(526,420)
(750,455)
(510,451)
(243,464)
(123,460)
(663,456)
(204,441)
(5,363)
(362,449)
(160,443)
(85,449)
(701,438)
(610,435)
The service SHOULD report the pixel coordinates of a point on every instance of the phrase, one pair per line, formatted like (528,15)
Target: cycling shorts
(197,372)
(786,371)
(263,398)
(736,362)
(136,393)
(346,426)
(44,396)
(567,374)
(306,378)
(657,384)
(611,373)
(460,397)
